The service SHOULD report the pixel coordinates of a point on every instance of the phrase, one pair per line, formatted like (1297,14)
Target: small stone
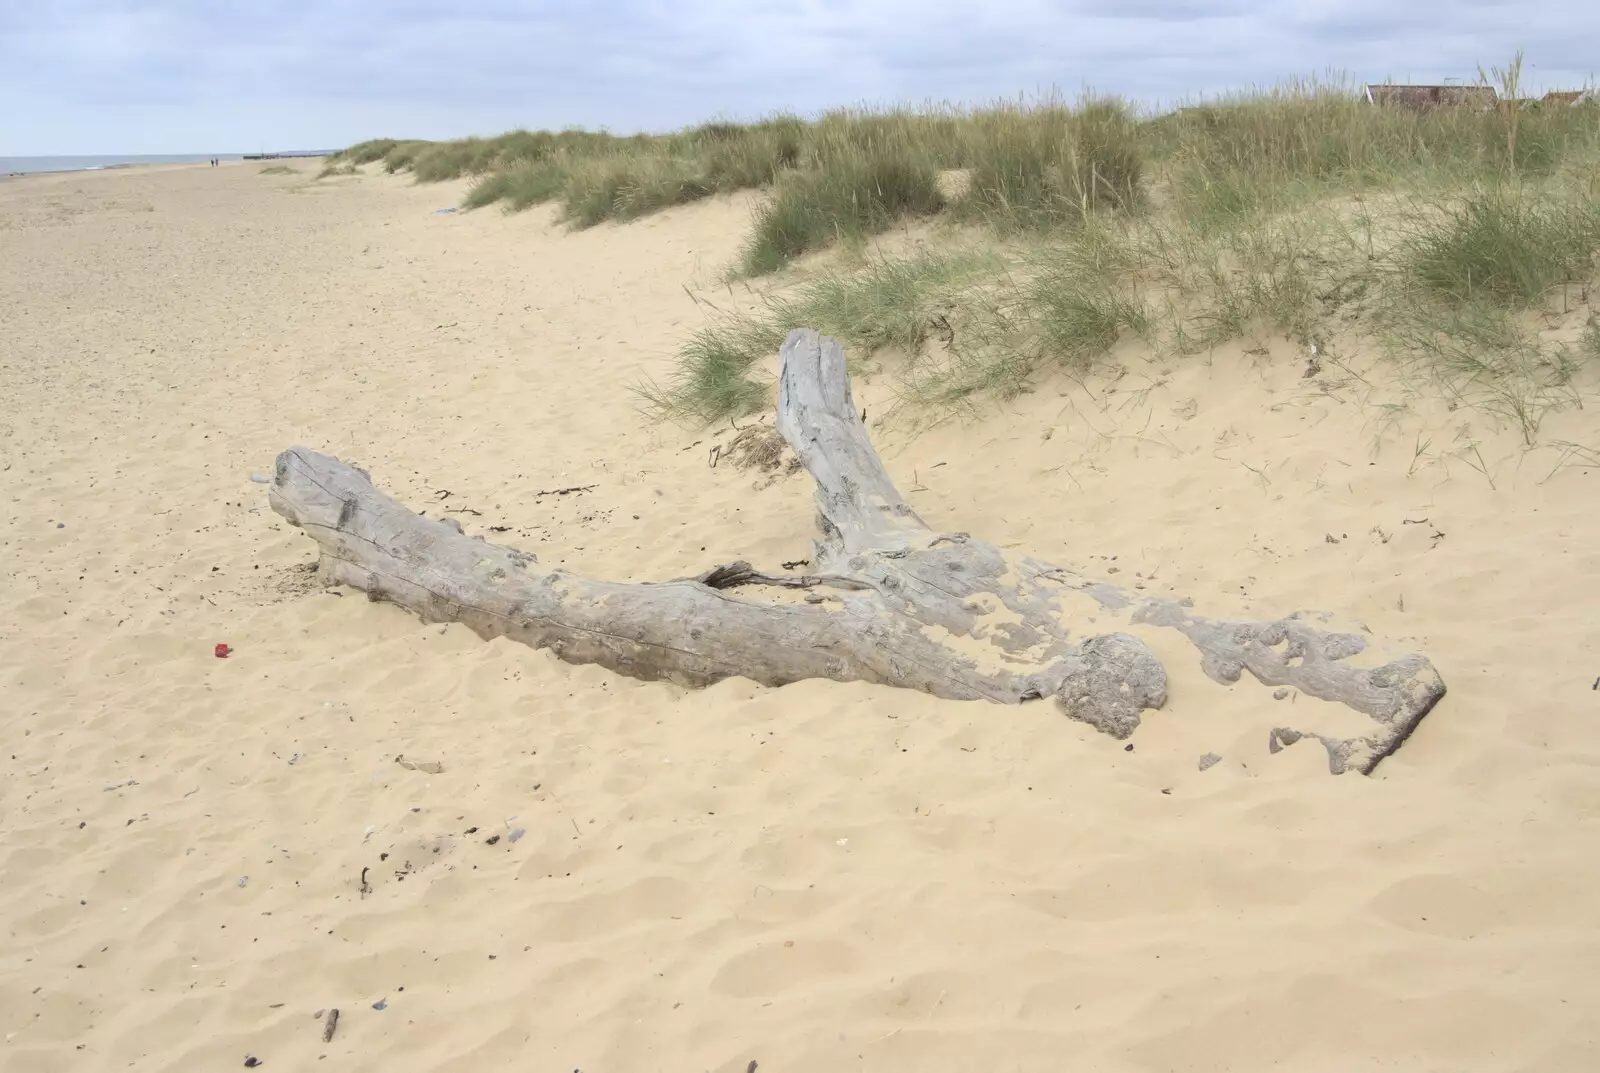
(381,1004)
(251,1061)
(1209,760)
(491,840)
(244,881)
(1280,693)
(1282,736)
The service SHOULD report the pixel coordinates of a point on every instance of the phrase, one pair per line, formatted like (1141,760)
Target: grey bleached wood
(684,631)
(891,600)
(1288,651)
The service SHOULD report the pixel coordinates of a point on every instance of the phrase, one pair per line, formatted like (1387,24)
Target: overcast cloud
(175,76)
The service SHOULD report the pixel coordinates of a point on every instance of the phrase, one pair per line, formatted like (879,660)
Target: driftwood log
(889,600)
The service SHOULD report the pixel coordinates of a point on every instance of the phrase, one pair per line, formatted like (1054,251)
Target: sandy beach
(200,857)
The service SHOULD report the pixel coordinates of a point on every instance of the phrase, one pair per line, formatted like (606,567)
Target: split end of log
(1292,652)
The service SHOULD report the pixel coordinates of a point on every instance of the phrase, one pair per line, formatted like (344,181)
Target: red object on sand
(222,651)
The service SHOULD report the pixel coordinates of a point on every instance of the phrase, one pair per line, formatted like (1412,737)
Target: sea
(16,165)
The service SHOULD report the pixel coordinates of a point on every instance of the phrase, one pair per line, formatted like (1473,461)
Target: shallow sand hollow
(816,878)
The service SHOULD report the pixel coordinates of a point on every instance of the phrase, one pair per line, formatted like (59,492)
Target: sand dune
(814,878)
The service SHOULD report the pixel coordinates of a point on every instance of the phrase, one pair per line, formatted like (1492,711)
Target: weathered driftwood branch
(890,600)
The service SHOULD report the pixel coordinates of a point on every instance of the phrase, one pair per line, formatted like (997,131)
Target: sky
(191,76)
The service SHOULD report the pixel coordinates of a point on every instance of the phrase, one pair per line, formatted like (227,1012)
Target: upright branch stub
(948,582)
(858,507)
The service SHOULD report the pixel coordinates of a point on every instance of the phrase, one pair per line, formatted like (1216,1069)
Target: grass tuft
(859,193)
(714,378)
(625,187)
(403,156)
(1080,319)
(1508,245)
(888,303)
(1047,167)
(522,186)
(368,151)
(754,156)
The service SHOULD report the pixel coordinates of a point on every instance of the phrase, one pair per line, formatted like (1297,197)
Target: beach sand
(815,878)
